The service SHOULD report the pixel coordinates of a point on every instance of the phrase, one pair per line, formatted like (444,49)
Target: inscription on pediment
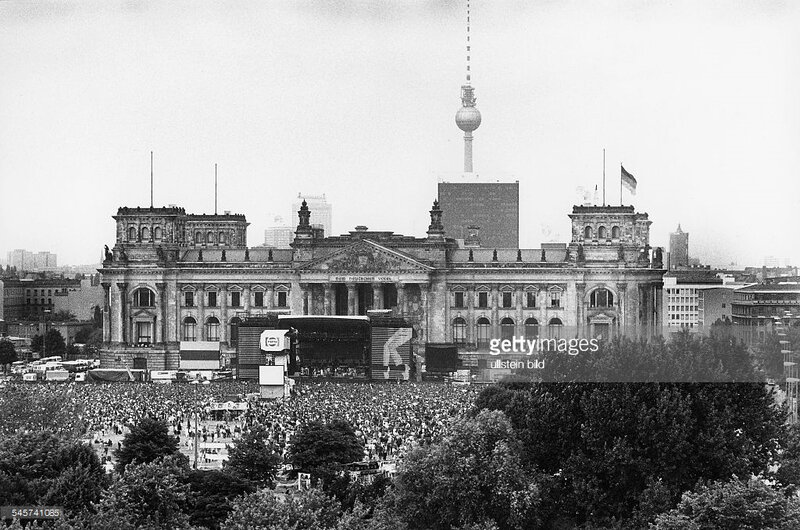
(366,259)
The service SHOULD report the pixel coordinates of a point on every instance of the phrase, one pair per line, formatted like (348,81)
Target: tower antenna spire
(468,118)
(151,179)
(468,47)
(215,188)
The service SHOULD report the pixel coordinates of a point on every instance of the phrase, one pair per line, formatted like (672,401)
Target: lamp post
(791,370)
(45,314)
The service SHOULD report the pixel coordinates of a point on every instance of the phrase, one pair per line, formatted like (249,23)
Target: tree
(253,458)
(43,469)
(149,495)
(211,494)
(64,315)
(309,510)
(318,446)
(739,504)
(8,354)
(473,477)
(146,442)
(788,473)
(52,343)
(627,450)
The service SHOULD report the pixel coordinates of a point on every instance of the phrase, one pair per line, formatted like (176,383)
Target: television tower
(468,118)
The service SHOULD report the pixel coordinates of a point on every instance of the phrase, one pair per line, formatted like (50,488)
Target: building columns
(326,301)
(352,300)
(106,312)
(121,302)
(583,324)
(160,324)
(470,294)
(304,291)
(269,296)
(622,289)
(223,313)
(377,296)
(201,313)
(401,298)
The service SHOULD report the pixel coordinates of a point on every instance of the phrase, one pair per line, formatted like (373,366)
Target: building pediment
(366,257)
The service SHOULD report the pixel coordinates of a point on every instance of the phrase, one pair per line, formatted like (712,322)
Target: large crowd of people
(388,418)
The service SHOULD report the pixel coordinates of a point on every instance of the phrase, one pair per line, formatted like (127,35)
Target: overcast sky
(700,100)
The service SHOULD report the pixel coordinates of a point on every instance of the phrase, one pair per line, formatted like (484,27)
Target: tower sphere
(468,118)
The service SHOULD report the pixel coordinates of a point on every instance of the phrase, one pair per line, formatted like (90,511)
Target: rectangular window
(483,299)
(555,299)
(212,299)
(507,299)
(236,299)
(259,299)
(530,299)
(459,299)
(144,332)
(281,298)
(188,299)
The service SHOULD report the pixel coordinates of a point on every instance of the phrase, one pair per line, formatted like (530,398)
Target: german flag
(628,181)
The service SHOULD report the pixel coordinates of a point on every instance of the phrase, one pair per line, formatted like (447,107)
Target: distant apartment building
(756,308)
(36,298)
(279,235)
(714,304)
(490,208)
(682,298)
(24,260)
(678,249)
(321,212)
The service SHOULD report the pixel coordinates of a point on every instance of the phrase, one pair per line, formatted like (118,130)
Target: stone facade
(159,292)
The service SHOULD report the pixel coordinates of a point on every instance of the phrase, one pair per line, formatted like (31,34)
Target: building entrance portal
(358,298)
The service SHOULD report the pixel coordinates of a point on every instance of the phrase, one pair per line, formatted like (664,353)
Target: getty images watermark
(523,346)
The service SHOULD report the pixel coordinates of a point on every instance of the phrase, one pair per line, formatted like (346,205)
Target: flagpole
(604,176)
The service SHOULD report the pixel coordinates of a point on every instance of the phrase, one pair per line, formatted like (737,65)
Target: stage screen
(270,375)
(391,353)
(441,358)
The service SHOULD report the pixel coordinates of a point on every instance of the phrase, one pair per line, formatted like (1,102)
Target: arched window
(554,328)
(145,234)
(601,298)
(158,233)
(144,297)
(459,330)
(507,329)
(132,233)
(615,232)
(483,327)
(531,329)
(233,336)
(189,328)
(212,328)
(587,232)
(210,238)
(602,233)
(222,238)
(198,237)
